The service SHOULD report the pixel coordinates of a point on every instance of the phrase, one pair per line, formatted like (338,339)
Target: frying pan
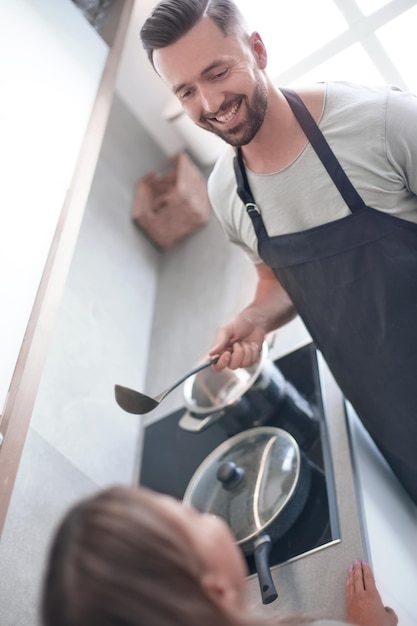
(258,481)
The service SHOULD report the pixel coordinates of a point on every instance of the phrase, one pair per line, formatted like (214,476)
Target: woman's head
(131,557)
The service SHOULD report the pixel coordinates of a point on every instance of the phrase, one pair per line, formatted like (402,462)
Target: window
(368,41)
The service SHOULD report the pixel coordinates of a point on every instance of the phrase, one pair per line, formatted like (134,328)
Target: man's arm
(239,341)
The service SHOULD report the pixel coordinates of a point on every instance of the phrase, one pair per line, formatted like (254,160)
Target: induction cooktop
(170,456)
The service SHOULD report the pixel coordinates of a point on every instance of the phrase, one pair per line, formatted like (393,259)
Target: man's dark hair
(172,19)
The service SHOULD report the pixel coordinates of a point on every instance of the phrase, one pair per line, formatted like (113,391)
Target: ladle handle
(196,369)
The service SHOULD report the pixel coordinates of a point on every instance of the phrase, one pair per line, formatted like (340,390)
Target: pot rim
(234,397)
(228,444)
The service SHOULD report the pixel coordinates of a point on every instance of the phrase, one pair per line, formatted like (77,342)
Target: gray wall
(202,283)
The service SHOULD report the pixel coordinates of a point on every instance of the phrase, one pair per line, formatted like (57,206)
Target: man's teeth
(228,116)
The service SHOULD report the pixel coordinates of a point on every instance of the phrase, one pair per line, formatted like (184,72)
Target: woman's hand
(364,604)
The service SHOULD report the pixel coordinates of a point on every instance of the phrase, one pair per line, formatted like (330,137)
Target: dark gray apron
(353,282)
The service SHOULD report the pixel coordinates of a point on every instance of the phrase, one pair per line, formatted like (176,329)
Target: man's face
(218,80)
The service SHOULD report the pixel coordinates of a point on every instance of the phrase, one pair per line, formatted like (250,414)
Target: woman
(133,557)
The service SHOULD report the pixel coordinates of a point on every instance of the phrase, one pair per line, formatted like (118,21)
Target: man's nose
(211,99)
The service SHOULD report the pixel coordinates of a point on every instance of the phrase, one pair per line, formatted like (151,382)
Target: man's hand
(239,342)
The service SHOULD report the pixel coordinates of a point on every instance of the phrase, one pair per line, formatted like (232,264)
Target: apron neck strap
(243,188)
(245,194)
(323,150)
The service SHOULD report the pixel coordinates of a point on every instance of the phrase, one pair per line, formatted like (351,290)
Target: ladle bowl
(138,403)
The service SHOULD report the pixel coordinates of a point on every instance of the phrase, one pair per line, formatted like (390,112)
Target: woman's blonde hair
(117,561)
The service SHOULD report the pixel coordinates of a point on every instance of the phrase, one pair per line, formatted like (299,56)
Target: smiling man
(318,186)
(199,82)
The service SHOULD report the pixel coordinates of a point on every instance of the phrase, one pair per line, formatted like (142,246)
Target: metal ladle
(138,403)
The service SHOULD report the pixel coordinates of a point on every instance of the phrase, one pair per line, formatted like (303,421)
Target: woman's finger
(368,577)
(357,577)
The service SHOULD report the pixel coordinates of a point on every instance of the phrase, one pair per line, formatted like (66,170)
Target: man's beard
(244,132)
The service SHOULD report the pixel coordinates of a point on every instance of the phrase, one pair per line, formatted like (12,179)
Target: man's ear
(259,50)
(219,590)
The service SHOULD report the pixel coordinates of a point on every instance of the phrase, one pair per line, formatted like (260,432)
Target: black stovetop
(171,455)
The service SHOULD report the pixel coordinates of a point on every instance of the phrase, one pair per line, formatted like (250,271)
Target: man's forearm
(271,306)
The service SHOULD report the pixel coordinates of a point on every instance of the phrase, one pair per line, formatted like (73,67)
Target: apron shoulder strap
(245,194)
(323,150)
(243,188)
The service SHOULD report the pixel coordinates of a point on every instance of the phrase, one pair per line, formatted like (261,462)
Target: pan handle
(262,548)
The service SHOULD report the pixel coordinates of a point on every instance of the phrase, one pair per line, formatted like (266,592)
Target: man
(338,247)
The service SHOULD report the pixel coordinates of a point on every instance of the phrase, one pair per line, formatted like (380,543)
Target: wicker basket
(171,205)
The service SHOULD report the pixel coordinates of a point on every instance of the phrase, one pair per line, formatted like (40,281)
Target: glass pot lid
(247,480)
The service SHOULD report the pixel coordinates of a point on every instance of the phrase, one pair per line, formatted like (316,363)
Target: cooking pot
(258,481)
(245,398)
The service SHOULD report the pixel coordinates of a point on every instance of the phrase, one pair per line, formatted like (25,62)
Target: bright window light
(399,39)
(370,6)
(292,30)
(353,64)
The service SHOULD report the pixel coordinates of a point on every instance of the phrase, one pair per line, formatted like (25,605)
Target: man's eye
(185,94)
(222,74)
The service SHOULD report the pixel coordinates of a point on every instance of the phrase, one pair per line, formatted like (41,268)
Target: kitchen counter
(313,582)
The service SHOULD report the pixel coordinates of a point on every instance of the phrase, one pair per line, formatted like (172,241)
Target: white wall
(51,62)
(390,523)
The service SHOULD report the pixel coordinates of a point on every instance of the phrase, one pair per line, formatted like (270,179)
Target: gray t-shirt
(373,132)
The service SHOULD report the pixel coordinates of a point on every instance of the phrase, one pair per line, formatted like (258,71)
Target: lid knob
(229,474)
